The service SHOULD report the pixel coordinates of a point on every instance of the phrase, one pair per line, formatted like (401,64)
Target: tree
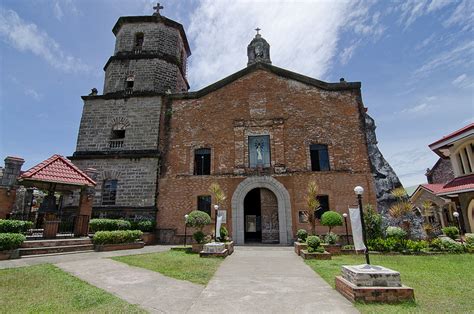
(373,223)
(312,204)
(217,192)
(331,219)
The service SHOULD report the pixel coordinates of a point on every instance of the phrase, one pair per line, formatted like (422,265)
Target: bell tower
(258,50)
(150,56)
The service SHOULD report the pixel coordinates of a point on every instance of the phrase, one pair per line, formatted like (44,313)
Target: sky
(414,58)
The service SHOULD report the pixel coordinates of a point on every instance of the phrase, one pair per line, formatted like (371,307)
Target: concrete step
(55,242)
(55,249)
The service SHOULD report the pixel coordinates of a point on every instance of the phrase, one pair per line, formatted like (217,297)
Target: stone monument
(372,284)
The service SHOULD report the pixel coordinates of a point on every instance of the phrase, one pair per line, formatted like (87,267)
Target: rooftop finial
(157,9)
(258,30)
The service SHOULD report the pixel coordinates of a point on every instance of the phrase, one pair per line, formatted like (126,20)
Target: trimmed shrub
(145,225)
(436,245)
(14,226)
(313,241)
(11,241)
(199,236)
(348,247)
(469,242)
(452,246)
(396,233)
(116,237)
(224,233)
(302,235)
(103,224)
(373,223)
(331,219)
(198,219)
(416,246)
(384,245)
(331,238)
(451,232)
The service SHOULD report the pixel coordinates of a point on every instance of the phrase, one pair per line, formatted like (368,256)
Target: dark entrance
(261,217)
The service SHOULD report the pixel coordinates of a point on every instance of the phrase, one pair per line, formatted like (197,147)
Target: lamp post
(216,208)
(347,232)
(185,227)
(359,191)
(456,215)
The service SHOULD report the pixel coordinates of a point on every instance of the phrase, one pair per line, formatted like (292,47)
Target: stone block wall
(442,172)
(141,115)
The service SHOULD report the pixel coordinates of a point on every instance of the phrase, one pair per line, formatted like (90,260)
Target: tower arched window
(464,158)
(129,83)
(117,136)
(139,37)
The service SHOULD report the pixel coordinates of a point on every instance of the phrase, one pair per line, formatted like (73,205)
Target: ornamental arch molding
(284,207)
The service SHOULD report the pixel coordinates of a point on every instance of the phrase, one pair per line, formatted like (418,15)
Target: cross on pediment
(157,9)
(258,30)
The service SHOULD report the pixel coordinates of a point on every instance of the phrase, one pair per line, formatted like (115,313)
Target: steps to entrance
(55,246)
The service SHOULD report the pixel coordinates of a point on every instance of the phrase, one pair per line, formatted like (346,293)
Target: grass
(47,289)
(176,264)
(442,283)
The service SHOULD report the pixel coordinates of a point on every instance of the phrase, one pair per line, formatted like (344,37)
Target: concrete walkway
(150,290)
(268,280)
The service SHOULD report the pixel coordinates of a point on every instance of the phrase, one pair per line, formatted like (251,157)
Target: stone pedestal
(369,283)
(214,249)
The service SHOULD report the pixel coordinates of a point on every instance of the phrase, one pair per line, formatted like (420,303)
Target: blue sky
(414,59)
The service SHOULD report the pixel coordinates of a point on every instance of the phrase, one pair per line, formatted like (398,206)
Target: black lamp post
(359,191)
(347,232)
(185,227)
(456,215)
(216,209)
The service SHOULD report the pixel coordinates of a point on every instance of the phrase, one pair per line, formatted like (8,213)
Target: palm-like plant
(217,192)
(312,205)
(400,193)
(400,209)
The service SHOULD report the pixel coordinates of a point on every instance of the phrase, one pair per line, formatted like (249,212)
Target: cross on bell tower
(258,30)
(157,9)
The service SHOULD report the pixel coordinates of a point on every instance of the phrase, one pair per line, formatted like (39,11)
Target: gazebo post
(81,222)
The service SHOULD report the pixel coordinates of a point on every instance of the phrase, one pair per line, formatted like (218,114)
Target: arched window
(129,83)
(109,192)
(464,158)
(117,136)
(139,37)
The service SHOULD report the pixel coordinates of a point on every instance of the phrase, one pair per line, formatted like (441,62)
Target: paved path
(268,280)
(148,289)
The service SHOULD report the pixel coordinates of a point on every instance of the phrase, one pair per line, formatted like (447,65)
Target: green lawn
(47,289)
(442,283)
(176,264)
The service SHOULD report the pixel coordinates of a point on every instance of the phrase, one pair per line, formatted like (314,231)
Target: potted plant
(331,219)
(300,244)
(198,219)
(315,250)
(9,244)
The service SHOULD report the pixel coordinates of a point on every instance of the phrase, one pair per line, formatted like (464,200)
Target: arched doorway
(272,189)
(261,217)
(470,214)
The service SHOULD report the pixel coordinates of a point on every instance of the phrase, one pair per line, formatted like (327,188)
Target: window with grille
(204,204)
(109,192)
(202,161)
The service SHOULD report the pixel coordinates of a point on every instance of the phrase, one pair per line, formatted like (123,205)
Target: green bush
(198,219)
(145,225)
(199,236)
(348,247)
(302,235)
(224,233)
(11,241)
(102,224)
(396,233)
(451,232)
(331,238)
(14,226)
(116,237)
(469,238)
(316,250)
(384,245)
(313,242)
(331,219)
(436,245)
(416,246)
(373,223)
(451,246)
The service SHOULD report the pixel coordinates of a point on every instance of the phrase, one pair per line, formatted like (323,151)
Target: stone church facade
(262,134)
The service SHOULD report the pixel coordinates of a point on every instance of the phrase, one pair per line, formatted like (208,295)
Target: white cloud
(416,109)
(463,15)
(438,4)
(34,94)
(25,36)
(448,59)
(459,80)
(303,36)
(347,53)
(58,12)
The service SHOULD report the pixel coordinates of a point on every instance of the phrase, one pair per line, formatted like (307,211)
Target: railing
(137,50)
(116,144)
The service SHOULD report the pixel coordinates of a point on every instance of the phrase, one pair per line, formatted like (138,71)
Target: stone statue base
(214,249)
(370,283)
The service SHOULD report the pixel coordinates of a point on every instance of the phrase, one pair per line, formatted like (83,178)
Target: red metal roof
(455,133)
(458,185)
(434,188)
(57,169)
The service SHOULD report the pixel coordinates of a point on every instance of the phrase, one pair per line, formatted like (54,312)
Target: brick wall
(140,114)
(295,115)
